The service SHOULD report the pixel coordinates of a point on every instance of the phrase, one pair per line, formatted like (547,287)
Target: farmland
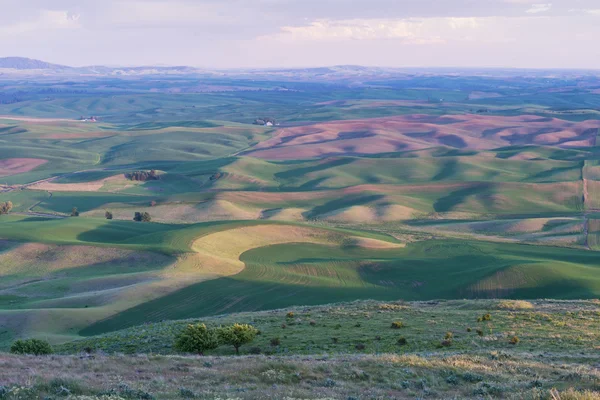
(414,188)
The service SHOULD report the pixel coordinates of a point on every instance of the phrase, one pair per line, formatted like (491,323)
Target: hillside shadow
(349,201)
(447,203)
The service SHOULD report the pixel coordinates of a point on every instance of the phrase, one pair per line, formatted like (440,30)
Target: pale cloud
(539,8)
(163,13)
(409,30)
(268,33)
(45,20)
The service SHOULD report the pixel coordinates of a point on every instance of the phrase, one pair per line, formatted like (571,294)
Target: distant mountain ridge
(24,63)
(23,66)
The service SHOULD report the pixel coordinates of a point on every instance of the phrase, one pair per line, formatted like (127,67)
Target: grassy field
(342,351)
(420,188)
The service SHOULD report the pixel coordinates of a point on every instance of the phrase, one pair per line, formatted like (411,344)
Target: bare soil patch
(14,166)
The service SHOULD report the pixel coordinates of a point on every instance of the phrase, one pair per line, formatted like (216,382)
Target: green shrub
(402,341)
(479,332)
(186,393)
(360,346)
(275,341)
(197,339)
(237,335)
(5,207)
(290,315)
(108,215)
(397,325)
(448,336)
(469,329)
(31,346)
(74,212)
(514,340)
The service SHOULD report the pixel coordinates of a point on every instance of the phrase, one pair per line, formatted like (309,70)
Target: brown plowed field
(410,132)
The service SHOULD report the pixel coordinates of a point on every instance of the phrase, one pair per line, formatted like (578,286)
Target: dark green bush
(402,341)
(275,341)
(31,346)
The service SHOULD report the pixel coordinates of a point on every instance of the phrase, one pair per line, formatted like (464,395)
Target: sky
(304,33)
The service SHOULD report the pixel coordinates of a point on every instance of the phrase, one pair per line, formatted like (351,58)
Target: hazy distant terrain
(268,189)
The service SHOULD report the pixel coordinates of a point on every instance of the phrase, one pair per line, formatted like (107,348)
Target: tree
(237,335)
(31,346)
(197,339)
(142,217)
(108,215)
(6,207)
(74,212)
(143,176)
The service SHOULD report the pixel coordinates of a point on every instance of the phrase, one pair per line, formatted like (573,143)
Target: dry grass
(93,186)
(386,376)
(515,305)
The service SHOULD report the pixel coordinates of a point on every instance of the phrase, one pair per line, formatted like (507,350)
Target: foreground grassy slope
(489,375)
(344,351)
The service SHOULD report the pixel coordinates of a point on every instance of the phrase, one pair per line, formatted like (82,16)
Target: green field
(370,190)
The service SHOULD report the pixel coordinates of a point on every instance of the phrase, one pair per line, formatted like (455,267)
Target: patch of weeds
(275,341)
(452,380)
(254,350)
(360,346)
(485,317)
(329,383)
(489,389)
(398,325)
(472,377)
(186,393)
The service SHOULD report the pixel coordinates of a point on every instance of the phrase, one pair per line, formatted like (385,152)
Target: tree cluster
(264,121)
(142,217)
(31,346)
(198,338)
(6,207)
(143,176)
